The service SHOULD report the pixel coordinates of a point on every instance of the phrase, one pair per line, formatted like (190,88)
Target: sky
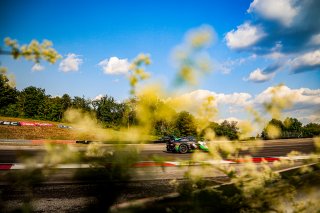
(258,45)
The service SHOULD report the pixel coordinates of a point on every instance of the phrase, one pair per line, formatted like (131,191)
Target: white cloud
(245,36)
(283,11)
(232,106)
(315,39)
(224,68)
(310,92)
(240,99)
(98,97)
(37,67)
(115,66)
(309,60)
(307,118)
(266,33)
(194,99)
(227,66)
(228,105)
(70,63)
(258,76)
(233,109)
(302,96)
(275,52)
(305,102)
(275,55)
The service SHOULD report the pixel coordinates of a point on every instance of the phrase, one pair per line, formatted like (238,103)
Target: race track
(12,153)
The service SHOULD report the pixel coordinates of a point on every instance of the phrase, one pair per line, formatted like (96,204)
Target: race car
(184,145)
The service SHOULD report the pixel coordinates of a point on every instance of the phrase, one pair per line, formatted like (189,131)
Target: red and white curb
(17,166)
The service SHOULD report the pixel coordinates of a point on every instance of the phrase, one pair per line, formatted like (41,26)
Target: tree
(163,127)
(311,130)
(228,129)
(66,102)
(81,103)
(32,102)
(292,128)
(289,128)
(185,124)
(292,125)
(8,94)
(130,115)
(54,108)
(109,111)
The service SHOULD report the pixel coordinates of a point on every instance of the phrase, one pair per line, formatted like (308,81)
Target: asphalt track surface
(272,148)
(149,152)
(60,193)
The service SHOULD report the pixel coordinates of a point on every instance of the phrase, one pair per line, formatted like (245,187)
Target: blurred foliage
(279,101)
(283,194)
(110,171)
(34,51)
(138,72)
(192,58)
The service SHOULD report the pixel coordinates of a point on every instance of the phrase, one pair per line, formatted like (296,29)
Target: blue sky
(259,44)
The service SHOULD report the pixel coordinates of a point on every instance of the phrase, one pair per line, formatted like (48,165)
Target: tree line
(290,128)
(33,102)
